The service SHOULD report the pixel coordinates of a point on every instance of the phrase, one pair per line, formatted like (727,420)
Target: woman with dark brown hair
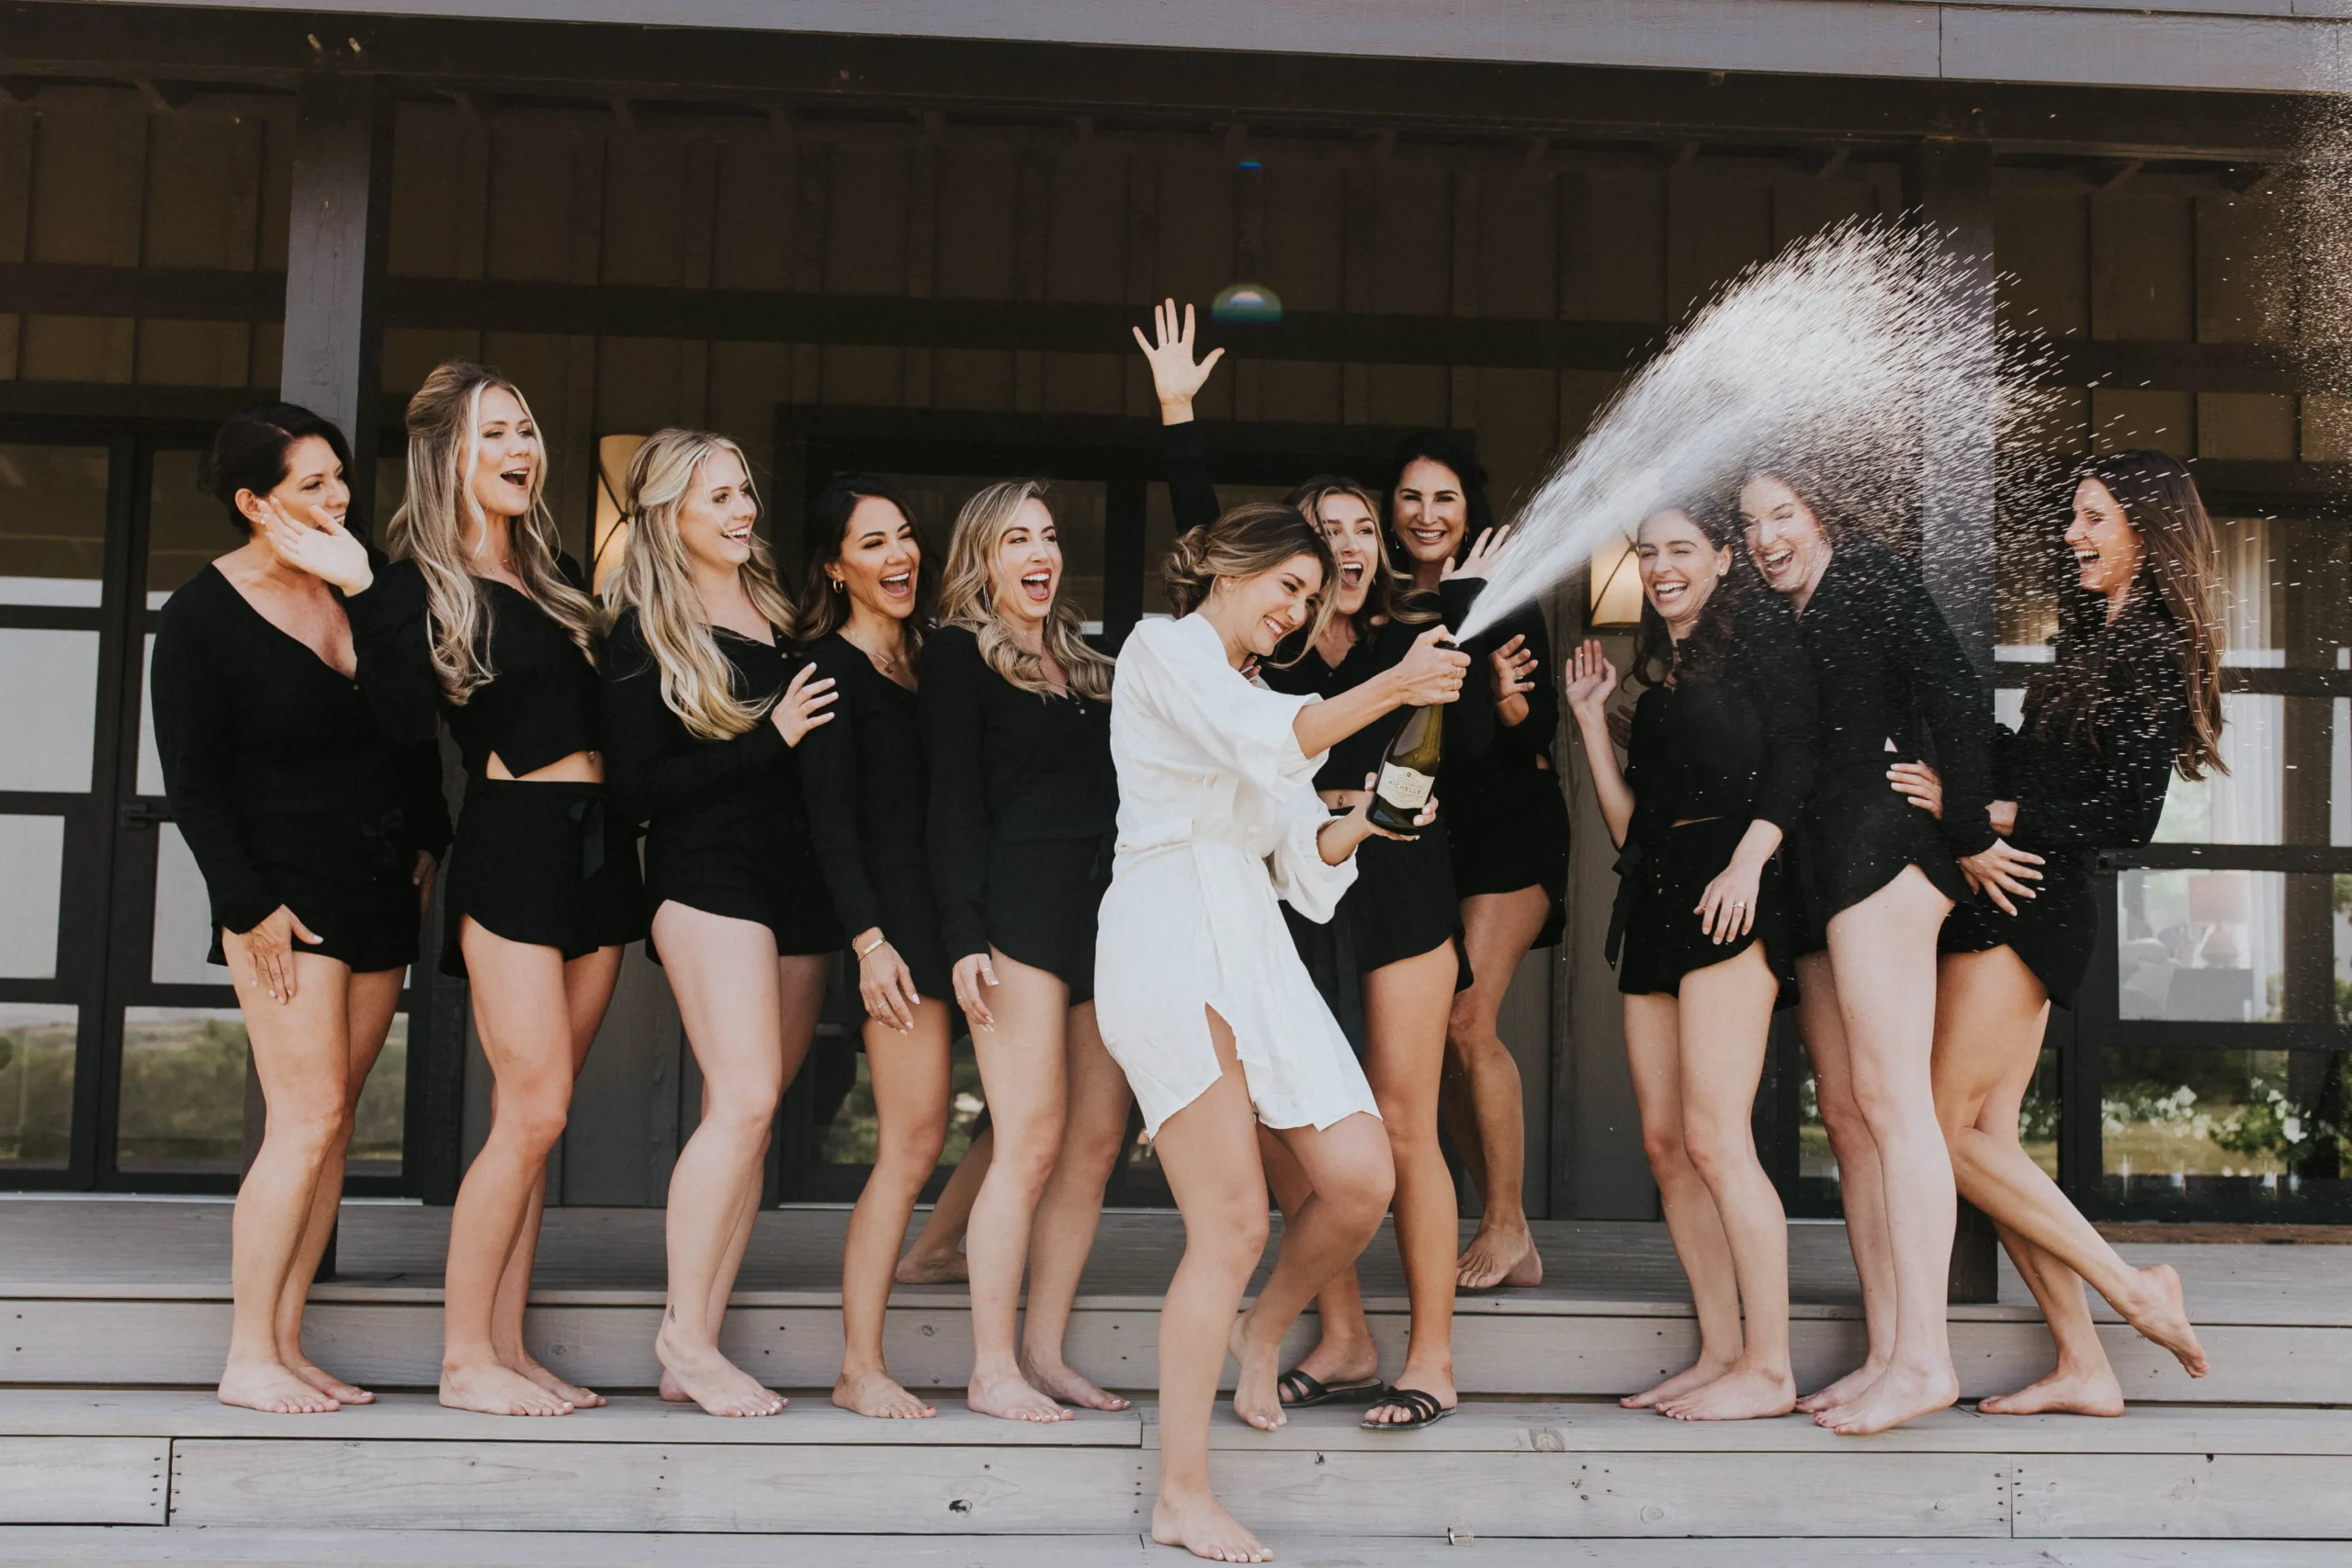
(2132,696)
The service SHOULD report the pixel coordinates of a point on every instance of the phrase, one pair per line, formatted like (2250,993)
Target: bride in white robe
(1198,989)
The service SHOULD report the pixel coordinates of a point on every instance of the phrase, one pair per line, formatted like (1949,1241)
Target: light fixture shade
(1616,585)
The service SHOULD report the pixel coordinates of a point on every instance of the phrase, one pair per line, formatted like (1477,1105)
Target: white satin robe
(1217,820)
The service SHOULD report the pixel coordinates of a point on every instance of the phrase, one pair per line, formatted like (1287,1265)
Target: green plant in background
(2271,1123)
(36,1093)
(2151,1105)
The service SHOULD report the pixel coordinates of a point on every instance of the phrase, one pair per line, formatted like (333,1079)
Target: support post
(1948,183)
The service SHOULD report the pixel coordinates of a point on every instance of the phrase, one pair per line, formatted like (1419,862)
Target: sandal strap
(1422,1407)
(1302,1387)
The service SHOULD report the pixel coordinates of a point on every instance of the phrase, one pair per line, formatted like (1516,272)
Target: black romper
(2097,787)
(284,785)
(1716,752)
(536,862)
(724,831)
(1024,809)
(1894,686)
(1505,811)
(866,787)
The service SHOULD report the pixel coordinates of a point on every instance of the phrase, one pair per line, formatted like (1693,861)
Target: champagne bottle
(1409,771)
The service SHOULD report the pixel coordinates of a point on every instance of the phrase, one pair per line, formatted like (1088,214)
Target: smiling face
(313,482)
(1259,611)
(715,515)
(1354,535)
(1784,537)
(2107,549)
(504,471)
(1027,568)
(1431,513)
(1680,568)
(878,559)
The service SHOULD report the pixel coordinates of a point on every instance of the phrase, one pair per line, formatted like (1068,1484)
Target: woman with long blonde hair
(482,619)
(704,704)
(1025,803)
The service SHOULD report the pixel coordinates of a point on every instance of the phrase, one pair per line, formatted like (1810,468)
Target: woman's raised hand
(1176,375)
(1430,673)
(1480,561)
(796,713)
(320,545)
(1514,670)
(1589,680)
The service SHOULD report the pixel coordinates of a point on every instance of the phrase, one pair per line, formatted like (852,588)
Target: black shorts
(544,864)
(1510,830)
(911,921)
(1656,934)
(1044,900)
(1856,836)
(351,880)
(775,883)
(2054,933)
(1401,906)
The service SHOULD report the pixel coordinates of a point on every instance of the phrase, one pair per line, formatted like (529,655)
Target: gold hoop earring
(836,582)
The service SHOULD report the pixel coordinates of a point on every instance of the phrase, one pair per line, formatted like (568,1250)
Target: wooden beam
(341,218)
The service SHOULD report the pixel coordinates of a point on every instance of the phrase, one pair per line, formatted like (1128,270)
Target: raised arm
(1589,679)
(1176,379)
(1428,673)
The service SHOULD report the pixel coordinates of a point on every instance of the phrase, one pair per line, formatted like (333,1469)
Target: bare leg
(2083,1382)
(1024,1063)
(1883,954)
(1499,929)
(587,991)
(910,1075)
(1860,1191)
(1654,1053)
(937,1255)
(1405,1006)
(303,1057)
(1344,1349)
(1095,1134)
(1725,1020)
(1209,1150)
(371,1002)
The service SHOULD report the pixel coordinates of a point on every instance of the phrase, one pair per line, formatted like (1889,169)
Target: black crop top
(1888,669)
(1007,767)
(540,705)
(1350,759)
(697,794)
(2101,784)
(253,727)
(867,786)
(1741,740)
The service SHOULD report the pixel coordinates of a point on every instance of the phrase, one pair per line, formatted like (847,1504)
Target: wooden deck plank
(2202,1496)
(663,1487)
(83,1480)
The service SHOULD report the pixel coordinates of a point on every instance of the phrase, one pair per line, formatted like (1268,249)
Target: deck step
(1497,1470)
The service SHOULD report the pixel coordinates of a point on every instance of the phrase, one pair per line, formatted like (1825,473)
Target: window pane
(52,524)
(35,1084)
(850,1137)
(183,1091)
(182,938)
(2268,744)
(151,760)
(32,863)
(2233,946)
(376,1131)
(2204,1130)
(185,527)
(49,694)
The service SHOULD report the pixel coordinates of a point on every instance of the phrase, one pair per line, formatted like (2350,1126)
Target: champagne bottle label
(1406,789)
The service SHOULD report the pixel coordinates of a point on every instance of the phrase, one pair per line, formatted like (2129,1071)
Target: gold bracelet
(878,944)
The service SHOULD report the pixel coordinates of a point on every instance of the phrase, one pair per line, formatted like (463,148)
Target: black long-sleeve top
(539,708)
(253,727)
(867,786)
(693,794)
(1007,767)
(2099,784)
(1524,747)
(1888,669)
(1739,739)
(1350,759)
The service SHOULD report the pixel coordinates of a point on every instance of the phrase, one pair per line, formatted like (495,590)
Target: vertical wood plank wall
(950,212)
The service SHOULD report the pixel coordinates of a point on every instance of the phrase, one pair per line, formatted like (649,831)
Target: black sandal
(1423,1408)
(1299,1389)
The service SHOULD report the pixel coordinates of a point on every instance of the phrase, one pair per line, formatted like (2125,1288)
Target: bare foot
(1741,1394)
(1010,1399)
(271,1387)
(1437,1383)
(1202,1526)
(1057,1381)
(1846,1390)
(2069,1391)
(495,1389)
(522,1363)
(673,1390)
(710,1380)
(1690,1379)
(1256,1398)
(1903,1394)
(1504,1255)
(326,1383)
(2162,1315)
(932,1269)
(877,1394)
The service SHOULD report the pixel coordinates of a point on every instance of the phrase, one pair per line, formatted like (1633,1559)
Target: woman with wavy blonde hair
(482,619)
(704,704)
(1024,805)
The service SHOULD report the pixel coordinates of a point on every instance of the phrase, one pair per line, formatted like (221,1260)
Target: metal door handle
(144,815)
